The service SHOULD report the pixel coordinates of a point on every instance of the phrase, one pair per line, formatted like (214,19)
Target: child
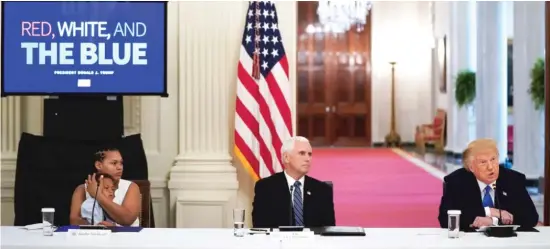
(107,188)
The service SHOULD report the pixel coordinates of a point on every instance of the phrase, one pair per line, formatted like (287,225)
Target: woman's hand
(92,184)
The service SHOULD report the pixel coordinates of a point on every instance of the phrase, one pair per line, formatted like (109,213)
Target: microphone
(95,200)
(497,204)
(291,227)
(92,225)
(499,231)
(290,208)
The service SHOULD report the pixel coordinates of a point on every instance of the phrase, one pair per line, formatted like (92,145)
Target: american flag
(262,119)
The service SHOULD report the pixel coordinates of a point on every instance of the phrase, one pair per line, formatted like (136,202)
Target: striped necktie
(298,204)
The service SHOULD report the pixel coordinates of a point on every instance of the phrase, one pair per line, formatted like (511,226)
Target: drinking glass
(454,223)
(238,222)
(47,221)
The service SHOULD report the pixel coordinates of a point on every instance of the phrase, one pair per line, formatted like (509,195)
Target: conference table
(191,238)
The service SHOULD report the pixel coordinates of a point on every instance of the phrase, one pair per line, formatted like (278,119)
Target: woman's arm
(126,213)
(79,196)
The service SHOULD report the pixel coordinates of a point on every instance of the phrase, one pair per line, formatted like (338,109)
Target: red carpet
(378,188)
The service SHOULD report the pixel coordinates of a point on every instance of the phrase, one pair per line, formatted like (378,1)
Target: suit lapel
(287,200)
(501,203)
(308,205)
(476,195)
(284,186)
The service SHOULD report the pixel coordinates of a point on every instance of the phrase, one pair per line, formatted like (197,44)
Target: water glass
(454,223)
(47,221)
(238,222)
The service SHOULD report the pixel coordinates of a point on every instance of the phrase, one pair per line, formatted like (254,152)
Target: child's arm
(78,198)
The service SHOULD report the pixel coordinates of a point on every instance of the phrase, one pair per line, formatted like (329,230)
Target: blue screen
(84,47)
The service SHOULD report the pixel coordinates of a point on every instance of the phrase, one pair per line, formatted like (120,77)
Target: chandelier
(340,15)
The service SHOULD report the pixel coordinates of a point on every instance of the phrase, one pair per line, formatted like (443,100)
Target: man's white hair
(288,144)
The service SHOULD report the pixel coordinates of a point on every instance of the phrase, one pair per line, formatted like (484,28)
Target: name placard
(303,235)
(88,233)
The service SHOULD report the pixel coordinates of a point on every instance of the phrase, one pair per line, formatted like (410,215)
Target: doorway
(334,82)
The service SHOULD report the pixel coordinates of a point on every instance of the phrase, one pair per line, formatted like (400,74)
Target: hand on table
(482,221)
(506,219)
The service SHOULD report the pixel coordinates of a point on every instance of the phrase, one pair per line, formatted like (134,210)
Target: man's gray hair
(288,144)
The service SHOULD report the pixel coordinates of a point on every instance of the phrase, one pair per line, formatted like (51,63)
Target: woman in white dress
(124,208)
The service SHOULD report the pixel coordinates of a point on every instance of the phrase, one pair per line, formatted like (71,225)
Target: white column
(10,132)
(452,61)
(528,123)
(203,183)
(11,129)
(463,54)
(491,82)
(472,63)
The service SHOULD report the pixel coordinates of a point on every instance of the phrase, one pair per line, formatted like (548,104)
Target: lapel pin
(504,193)
(308,193)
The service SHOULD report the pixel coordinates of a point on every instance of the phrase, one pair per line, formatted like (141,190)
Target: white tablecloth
(160,238)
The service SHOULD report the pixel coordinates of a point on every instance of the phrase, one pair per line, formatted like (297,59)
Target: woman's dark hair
(99,175)
(99,156)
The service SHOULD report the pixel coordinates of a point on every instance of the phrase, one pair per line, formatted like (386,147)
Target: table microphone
(95,201)
(291,227)
(497,204)
(92,225)
(499,231)
(290,208)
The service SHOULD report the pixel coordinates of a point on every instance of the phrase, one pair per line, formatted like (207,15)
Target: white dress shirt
(86,211)
(291,182)
(482,187)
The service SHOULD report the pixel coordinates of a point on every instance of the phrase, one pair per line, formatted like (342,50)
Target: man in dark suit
(485,193)
(291,198)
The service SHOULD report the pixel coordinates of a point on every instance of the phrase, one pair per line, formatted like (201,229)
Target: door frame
(368,87)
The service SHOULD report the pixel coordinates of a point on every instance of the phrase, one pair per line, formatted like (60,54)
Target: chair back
(440,125)
(145,216)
